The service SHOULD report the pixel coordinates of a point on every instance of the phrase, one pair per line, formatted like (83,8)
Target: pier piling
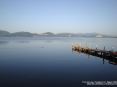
(95,52)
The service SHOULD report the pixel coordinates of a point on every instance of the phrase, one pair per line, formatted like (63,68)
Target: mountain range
(50,34)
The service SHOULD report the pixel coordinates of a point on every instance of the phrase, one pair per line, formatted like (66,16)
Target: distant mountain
(65,34)
(22,34)
(16,34)
(4,33)
(47,34)
(50,34)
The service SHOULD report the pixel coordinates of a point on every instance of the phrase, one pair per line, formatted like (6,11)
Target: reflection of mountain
(50,34)
(23,41)
(3,42)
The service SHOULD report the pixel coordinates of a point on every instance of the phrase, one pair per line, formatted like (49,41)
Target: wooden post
(104,51)
(103,61)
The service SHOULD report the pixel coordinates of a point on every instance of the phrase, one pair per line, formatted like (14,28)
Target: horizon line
(62,32)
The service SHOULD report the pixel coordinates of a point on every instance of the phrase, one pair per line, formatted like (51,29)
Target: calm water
(47,62)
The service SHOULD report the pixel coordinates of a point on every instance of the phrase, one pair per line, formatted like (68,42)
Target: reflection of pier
(108,55)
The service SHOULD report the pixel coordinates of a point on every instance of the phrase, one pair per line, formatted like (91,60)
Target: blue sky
(77,16)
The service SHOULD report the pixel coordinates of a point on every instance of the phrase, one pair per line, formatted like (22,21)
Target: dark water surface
(50,62)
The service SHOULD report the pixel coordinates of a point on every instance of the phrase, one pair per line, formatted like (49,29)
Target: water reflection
(23,41)
(45,61)
(3,42)
(110,60)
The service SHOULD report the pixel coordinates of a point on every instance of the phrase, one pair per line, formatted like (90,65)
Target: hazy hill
(4,33)
(22,34)
(48,34)
(65,34)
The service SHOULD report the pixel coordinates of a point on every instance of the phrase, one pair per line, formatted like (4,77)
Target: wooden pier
(109,55)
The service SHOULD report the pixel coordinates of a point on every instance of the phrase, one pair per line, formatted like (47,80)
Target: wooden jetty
(109,55)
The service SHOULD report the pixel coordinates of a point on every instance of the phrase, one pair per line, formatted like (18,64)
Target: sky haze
(76,16)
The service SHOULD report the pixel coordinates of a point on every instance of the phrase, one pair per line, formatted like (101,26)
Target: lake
(50,62)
